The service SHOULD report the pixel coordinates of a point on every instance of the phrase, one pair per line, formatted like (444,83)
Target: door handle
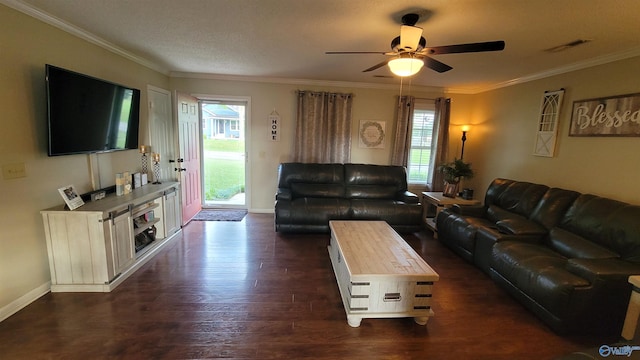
(180,169)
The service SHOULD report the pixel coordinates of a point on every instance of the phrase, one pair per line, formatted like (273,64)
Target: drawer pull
(392,297)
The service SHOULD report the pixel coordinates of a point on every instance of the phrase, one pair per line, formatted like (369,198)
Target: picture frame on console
(450,190)
(71,197)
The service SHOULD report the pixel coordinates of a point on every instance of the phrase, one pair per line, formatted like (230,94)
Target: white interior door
(188,162)
(161,135)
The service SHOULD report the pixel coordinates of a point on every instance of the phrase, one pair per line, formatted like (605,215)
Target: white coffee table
(379,275)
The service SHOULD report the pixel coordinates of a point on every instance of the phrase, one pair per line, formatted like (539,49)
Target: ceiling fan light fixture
(405,65)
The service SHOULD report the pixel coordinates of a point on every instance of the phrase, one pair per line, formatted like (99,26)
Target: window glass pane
(421,143)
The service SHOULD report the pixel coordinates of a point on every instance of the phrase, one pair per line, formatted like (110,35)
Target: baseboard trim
(26,299)
(262,211)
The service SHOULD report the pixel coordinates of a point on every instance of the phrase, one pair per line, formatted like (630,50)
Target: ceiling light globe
(405,66)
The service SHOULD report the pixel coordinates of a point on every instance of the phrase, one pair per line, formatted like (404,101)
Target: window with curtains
(419,163)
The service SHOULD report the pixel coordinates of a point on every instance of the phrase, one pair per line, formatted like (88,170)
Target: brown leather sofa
(310,195)
(566,256)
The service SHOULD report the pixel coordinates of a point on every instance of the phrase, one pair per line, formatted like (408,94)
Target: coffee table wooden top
(373,248)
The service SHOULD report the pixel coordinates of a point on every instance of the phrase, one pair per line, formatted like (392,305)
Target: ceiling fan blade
(436,65)
(410,37)
(355,52)
(465,48)
(377,66)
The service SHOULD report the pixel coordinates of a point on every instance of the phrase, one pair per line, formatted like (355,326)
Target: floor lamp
(465,128)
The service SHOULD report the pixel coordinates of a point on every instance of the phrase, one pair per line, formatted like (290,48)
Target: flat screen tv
(89,115)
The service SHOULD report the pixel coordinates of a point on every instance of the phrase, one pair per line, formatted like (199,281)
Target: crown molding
(600,60)
(288,81)
(82,34)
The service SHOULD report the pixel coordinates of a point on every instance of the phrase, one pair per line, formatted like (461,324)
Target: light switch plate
(13,171)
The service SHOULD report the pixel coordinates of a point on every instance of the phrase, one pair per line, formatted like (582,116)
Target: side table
(432,199)
(633,311)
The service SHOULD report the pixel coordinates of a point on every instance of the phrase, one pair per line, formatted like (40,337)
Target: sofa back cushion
(552,207)
(516,197)
(573,246)
(289,173)
(374,181)
(606,222)
(299,190)
(494,190)
(312,180)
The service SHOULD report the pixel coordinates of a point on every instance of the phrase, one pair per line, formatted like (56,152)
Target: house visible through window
(419,163)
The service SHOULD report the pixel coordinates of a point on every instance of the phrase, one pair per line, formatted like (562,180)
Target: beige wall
(265,155)
(502,144)
(27,45)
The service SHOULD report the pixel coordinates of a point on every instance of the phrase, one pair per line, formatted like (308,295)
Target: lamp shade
(405,65)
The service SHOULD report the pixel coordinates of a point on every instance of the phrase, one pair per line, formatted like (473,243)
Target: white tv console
(93,248)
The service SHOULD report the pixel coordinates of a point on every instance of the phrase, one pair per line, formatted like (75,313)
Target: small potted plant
(453,172)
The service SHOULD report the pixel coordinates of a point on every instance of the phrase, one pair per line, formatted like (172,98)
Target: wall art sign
(371,134)
(545,142)
(274,125)
(611,116)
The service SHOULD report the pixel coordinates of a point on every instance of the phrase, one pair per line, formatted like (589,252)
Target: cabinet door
(171,207)
(121,242)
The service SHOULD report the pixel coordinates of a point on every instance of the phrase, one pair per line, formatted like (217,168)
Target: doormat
(220,215)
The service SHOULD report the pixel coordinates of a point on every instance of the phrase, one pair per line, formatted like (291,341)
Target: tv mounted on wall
(89,115)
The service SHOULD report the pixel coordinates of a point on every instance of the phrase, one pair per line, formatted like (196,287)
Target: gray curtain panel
(402,142)
(435,180)
(323,127)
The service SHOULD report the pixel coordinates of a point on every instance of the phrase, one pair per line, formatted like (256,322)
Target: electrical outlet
(13,171)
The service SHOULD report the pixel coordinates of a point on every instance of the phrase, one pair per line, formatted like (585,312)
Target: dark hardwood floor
(239,290)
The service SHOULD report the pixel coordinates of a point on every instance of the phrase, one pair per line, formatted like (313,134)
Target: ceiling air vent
(568,45)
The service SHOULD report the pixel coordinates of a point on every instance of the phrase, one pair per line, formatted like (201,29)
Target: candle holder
(155,157)
(144,159)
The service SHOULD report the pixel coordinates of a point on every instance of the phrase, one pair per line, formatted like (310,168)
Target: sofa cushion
(537,271)
(495,213)
(609,223)
(553,206)
(623,230)
(586,216)
(289,173)
(393,212)
(575,246)
(520,226)
(311,211)
(494,190)
(379,175)
(371,192)
(521,197)
(299,190)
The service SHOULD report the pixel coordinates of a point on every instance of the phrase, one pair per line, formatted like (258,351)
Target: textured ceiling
(287,39)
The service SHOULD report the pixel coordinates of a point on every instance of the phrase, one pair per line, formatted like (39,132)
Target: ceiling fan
(410,53)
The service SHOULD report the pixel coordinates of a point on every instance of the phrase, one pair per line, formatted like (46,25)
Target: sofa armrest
(409,197)
(283,194)
(613,269)
(468,210)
